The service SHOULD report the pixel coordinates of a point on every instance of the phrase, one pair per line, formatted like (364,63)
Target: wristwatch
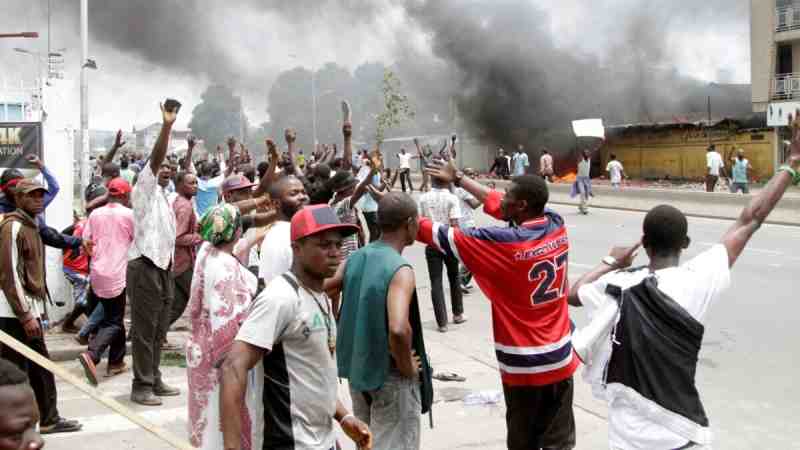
(611,261)
(457,179)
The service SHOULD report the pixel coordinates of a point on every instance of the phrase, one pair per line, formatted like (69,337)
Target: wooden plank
(94,393)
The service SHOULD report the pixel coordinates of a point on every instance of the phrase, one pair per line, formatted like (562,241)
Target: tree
(218,116)
(396,108)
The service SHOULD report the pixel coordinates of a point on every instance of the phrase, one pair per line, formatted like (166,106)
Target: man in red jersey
(523,271)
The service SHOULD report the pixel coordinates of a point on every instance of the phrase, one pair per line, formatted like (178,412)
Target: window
(11,112)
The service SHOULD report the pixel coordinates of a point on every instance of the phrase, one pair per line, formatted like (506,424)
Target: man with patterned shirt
(440,205)
(150,284)
(532,329)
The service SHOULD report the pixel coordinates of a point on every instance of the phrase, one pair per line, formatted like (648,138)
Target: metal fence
(787,18)
(786,86)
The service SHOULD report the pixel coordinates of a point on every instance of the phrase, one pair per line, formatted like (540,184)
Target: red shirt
(523,272)
(79,263)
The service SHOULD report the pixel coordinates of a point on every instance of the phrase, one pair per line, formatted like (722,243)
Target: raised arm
(233,385)
(754,214)
(361,188)
(291,136)
(624,257)
(347,157)
(187,160)
(169,113)
(118,144)
(269,176)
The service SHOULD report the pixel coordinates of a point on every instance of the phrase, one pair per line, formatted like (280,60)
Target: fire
(568,178)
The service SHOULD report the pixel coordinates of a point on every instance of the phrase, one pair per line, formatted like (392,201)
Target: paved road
(746,375)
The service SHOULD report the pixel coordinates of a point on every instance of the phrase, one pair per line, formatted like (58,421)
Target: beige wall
(762,50)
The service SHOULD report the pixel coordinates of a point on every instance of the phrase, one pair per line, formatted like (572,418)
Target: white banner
(589,128)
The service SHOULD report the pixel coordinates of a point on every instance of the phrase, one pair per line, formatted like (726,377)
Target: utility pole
(85,174)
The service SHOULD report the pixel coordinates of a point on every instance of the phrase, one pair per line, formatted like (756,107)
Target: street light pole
(85,175)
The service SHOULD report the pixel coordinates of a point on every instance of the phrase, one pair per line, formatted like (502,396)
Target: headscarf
(220,224)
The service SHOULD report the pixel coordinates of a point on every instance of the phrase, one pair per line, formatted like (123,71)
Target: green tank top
(362,348)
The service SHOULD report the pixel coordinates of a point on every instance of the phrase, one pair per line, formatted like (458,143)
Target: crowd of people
(294,277)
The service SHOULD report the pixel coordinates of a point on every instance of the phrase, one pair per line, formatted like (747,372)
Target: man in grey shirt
(291,327)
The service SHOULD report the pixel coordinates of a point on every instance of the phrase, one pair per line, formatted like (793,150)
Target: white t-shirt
(405,160)
(714,163)
(276,251)
(298,322)
(614,169)
(694,285)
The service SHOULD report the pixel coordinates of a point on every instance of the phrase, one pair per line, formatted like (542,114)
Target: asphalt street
(746,375)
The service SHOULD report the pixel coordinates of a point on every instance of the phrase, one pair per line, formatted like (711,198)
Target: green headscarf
(220,224)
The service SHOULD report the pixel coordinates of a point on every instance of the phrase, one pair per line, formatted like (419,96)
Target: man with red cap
(292,329)
(24,295)
(111,228)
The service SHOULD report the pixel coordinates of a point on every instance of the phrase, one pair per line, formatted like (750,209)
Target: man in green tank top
(380,348)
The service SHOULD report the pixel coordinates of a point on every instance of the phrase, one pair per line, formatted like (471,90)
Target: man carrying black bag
(641,346)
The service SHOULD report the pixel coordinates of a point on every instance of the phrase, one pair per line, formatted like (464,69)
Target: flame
(568,178)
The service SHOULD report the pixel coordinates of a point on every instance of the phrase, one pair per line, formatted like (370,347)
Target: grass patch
(173,359)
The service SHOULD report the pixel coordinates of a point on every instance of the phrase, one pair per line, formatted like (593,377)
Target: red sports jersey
(523,272)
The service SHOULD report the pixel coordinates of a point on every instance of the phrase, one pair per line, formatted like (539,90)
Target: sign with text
(18,140)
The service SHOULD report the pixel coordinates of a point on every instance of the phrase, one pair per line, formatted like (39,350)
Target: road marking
(109,423)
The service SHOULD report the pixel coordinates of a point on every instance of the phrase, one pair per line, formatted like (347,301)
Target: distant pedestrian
(582,186)
(519,162)
(715,167)
(500,167)
(616,172)
(546,165)
(405,169)
(740,171)
(440,205)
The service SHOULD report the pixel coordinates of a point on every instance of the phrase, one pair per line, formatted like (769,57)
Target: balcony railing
(787,18)
(786,86)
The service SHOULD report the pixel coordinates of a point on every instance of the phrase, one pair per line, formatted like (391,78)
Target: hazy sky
(146,52)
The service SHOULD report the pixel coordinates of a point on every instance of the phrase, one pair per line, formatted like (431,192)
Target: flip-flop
(448,376)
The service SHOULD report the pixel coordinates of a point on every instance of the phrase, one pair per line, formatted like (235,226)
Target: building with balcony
(775,64)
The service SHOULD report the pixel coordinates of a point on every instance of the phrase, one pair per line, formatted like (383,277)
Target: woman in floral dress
(221,293)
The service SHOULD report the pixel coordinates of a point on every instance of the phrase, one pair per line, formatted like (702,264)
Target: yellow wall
(681,153)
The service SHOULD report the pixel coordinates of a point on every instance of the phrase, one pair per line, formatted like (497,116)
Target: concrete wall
(681,153)
(762,51)
(58,156)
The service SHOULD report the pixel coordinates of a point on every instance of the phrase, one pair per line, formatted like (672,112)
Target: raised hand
(169,111)
(272,150)
(290,135)
(444,171)
(33,159)
(347,130)
(231,143)
(118,142)
(191,141)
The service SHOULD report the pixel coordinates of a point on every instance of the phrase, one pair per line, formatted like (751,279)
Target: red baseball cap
(118,187)
(235,183)
(316,219)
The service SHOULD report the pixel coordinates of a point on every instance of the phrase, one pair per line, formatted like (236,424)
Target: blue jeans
(93,323)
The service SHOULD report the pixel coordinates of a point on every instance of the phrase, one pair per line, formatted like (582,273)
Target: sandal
(448,376)
(62,426)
